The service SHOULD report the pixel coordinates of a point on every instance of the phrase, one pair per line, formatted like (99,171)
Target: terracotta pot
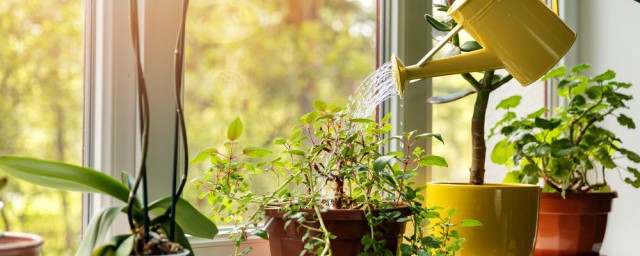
(508,212)
(349,226)
(20,244)
(572,226)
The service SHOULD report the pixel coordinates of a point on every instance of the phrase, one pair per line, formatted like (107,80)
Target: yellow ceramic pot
(508,212)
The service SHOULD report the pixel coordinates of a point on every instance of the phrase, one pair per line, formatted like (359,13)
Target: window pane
(41,108)
(266,61)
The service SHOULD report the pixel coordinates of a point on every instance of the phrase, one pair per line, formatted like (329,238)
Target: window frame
(110,125)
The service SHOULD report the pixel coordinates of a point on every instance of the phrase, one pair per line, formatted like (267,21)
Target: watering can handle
(554,7)
(439,46)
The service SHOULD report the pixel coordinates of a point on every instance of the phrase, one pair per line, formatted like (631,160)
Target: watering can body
(523,36)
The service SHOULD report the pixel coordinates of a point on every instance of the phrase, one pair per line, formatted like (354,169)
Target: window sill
(221,245)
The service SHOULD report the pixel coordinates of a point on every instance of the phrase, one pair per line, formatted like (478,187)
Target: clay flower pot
(572,226)
(20,244)
(349,226)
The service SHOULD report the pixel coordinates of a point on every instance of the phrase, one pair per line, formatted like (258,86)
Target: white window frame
(110,96)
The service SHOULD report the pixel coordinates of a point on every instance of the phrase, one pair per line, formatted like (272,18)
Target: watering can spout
(522,36)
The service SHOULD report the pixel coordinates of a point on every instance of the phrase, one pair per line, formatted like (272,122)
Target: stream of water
(375,89)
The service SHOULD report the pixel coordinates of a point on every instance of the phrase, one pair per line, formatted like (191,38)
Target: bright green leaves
(502,152)
(635,181)
(260,233)
(470,223)
(235,130)
(97,229)
(607,75)
(559,168)
(555,73)
(204,155)
(510,102)
(433,161)
(579,68)
(320,105)
(256,152)
(602,155)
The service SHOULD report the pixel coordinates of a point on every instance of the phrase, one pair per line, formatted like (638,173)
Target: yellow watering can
(523,36)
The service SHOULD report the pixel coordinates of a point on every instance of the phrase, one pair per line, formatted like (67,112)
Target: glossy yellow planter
(508,212)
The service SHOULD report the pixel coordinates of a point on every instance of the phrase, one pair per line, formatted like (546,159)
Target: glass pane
(41,65)
(455,128)
(266,61)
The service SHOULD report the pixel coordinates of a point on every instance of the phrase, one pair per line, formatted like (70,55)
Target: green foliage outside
(568,148)
(41,69)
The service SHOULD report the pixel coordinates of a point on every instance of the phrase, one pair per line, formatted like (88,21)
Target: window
(41,104)
(266,62)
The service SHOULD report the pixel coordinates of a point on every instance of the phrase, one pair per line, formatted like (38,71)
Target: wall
(609,38)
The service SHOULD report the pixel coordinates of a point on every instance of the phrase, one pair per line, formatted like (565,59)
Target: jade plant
(156,228)
(568,148)
(482,87)
(330,161)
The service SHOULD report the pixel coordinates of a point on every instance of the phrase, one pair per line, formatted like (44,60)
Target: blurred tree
(41,108)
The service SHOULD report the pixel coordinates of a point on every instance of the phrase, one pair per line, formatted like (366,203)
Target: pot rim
(341,214)
(23,240)
(589,195)
(483,186)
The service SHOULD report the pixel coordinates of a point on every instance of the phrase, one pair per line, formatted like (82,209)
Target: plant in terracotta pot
(334,192)
(16,243)
(156,228)
(572,154)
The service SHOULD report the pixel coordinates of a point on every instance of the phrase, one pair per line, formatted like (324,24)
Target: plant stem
(479,148)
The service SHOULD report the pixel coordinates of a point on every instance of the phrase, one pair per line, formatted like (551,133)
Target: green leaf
(470,223)
(635,182)
(381,162)
(594,92)
(440,99)
(470,46)
(188,217)
(560,168)
(97,229)
(513,177)
(204,155)
(510,102)
(261,233)
(428,135)
(607,75)
(362,120)
(256,151)
(580,67)
(433,161)
(109,249)
(602,155)
(537,113)
(125,248)
(547,124)
(502,152)
(130,181)
(630,155)
(626,121)
(437,24)
(578,101)
(63,176)
(452,212)
(555,73)
(320,105)
(235,130)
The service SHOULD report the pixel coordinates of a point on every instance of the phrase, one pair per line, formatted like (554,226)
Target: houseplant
(336,193)
(572,154)
(16,243)
(156,228)
(510,222)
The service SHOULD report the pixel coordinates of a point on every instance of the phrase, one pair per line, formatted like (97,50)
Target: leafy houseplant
(571,153)
(336,194)
(156,228)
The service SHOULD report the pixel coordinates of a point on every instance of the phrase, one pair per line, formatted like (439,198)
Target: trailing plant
(330,161)
(482,87)
(155,227)
(568,148)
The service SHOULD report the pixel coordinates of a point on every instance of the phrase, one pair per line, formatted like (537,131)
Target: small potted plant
(336,193)
(156,228)
(17,243)
(572,154)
